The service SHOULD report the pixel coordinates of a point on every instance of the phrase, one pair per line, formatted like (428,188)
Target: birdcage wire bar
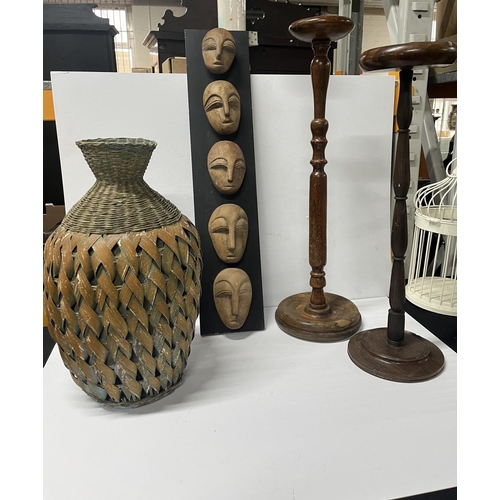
(432,276)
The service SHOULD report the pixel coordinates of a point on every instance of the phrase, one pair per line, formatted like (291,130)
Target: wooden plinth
(341,320)
(416,359)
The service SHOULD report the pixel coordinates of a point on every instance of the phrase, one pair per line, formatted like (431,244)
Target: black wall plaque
(206,197)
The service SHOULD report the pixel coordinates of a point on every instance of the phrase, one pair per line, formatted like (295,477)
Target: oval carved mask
(226,166)
(232,291)
(228,229)
(222,105)
(218,48)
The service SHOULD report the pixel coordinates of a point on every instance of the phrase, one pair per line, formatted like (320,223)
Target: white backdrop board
(359,109)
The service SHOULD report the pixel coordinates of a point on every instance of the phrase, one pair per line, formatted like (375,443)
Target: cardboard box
(174,65)
(446,18)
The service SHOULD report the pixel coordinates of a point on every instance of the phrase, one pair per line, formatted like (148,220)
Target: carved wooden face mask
(226,166)
(221,102)
(218,48)
(233,296)
(228,229)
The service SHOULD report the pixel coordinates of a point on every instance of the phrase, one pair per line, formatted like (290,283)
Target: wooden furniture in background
(274,51)
(74,39)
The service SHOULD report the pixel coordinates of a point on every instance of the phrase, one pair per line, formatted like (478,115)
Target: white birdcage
(432,275)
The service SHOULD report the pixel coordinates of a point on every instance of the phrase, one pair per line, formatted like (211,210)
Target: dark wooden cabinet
(75,39)
(277,51)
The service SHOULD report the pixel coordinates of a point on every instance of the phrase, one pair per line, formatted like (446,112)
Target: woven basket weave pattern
(122,309)
(122,281)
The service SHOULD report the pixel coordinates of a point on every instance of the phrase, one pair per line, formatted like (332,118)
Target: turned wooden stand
(319,316)
(393,353)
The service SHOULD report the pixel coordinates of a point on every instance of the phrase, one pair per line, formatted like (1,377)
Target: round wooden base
(416,360)
(340,322)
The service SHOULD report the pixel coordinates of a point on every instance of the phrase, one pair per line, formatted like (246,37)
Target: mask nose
(235,304)
(230,173)
(231,240)
(218,52)
(226,108)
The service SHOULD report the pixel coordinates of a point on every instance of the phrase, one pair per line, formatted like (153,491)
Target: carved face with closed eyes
(226,166)
(228,229)
(222,105)
(218,48)
(232,291)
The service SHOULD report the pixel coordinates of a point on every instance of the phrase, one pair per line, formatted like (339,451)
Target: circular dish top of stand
(321,28)
(409,55)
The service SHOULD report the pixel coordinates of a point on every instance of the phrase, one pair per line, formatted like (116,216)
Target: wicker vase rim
(117,140)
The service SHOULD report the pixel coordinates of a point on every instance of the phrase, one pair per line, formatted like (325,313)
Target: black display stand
(206,197)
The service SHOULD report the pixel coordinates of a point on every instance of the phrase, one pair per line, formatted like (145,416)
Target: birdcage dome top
(436,203)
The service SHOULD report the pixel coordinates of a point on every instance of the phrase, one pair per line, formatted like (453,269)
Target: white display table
(259,415)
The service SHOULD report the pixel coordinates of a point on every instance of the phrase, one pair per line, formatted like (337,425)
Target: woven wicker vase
(122,281)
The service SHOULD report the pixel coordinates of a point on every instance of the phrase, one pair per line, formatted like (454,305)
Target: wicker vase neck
(117,160)
(120,200)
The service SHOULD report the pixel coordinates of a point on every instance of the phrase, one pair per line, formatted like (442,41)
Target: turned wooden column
(399,233)
(393,353)
(317,315)
(320,74)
